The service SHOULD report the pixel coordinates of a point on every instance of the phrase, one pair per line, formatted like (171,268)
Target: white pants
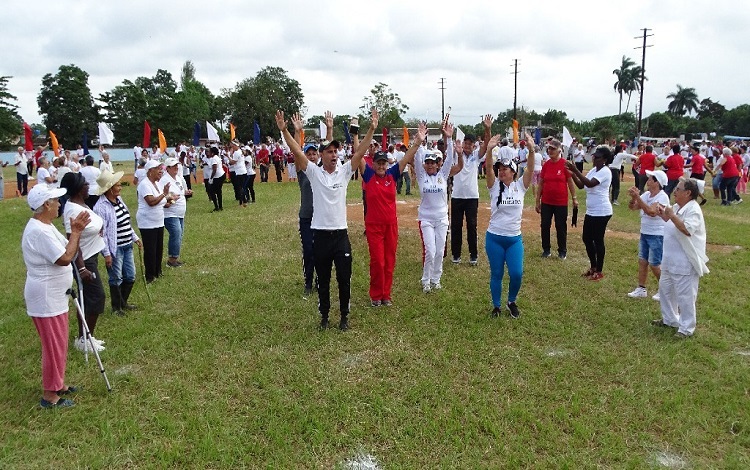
(678,293)
(433,233)
(291,170)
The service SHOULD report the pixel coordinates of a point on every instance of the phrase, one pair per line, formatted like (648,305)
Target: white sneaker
(82,346)
(638,293)
(436,286)
(656,297)
(426,287)
(100,342)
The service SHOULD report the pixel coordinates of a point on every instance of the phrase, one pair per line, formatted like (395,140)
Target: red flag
(29,137)
(384,140)
(146,135)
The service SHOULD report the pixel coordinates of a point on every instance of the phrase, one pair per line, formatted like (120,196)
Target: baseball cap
(660,176)
(171,162)
(310,146)
(380,156)
(152,164)
(325,144)
(434,156)
(42,193)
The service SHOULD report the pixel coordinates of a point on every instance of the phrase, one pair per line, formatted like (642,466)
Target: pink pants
(53,334)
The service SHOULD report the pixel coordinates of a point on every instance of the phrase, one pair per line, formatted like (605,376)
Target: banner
(301,138)
(256,133)
(346,134)
(106,136)
(55,145)
(405,139)
(213,136)
(146,135)
(515,131)
(567,138)
(29,137)
(232,129)
(197,134)
(323,130)
(85,142)
(459,135)
(162,141)
(384,140)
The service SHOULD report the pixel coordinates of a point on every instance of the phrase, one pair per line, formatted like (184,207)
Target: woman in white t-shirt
(48,256)
(598,208)
(153,197)
(433,208)
(503,241)
(250,166)
(87,262)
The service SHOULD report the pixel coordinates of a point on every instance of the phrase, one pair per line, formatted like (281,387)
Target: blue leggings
(503,251)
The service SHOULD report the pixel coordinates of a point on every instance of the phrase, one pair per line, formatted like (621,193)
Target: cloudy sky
(338,50)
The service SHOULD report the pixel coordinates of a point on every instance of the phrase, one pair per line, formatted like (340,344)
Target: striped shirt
(124,230)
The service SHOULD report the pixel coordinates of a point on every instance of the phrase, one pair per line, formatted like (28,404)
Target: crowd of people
(446,174)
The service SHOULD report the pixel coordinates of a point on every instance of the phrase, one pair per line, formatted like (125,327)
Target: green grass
(227,369)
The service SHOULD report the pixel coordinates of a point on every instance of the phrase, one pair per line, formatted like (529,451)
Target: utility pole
(442,98)
(643,76)
(515,86)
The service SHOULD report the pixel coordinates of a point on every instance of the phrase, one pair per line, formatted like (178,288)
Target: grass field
(227,368)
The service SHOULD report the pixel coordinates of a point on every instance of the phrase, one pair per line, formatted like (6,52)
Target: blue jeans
(650,248)
(175,226)
(123,266)
(502,251)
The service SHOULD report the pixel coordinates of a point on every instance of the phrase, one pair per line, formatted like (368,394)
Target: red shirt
(647,161)
(729,168)
(278,155)
(380,194)
(698,164)
(555,185)
(675,165)
(263,156)
(738,162)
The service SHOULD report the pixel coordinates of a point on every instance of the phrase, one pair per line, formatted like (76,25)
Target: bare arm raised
(361,149)
(300,161)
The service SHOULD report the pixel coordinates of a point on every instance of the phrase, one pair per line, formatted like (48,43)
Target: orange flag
(162,142)
(515,131)
(55,145)
(406,136)
(231,131)
(302,138)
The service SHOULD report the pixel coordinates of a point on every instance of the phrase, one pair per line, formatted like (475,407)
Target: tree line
(69,109)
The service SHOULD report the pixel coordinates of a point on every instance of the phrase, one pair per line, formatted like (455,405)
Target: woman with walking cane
(48,257)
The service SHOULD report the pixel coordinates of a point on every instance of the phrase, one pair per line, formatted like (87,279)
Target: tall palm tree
(624,83)
(684,101)
(634,82)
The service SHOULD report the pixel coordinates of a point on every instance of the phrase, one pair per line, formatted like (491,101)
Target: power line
(643,75)
(442,101)
(515,85)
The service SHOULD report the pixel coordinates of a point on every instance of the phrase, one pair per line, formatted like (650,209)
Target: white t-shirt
(523,154)
(21,168)
(176,188)
(140,173)
(465,182)
(91,173)
(91,241)
(239,166)
(249,164)
(150,216)
(106,166)
(597,198)
(505,218)
(61,172)
(215,160)
(46,283)
(433,189)
(653,225)
(41,175)
(329,195)
(618,160)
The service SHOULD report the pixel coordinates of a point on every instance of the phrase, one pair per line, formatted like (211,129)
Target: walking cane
(78,301)
(143,275)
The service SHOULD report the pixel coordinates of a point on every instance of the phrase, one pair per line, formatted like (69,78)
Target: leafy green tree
(711,109)
(389,106)
(628,80)
(660,125)
(66,105)
(10,121)
(737,121)
(125,108)
(684,101)
(258,98)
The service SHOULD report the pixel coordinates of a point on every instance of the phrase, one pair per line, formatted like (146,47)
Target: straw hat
(106,180)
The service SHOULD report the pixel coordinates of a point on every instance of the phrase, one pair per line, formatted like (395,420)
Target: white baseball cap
(42,193)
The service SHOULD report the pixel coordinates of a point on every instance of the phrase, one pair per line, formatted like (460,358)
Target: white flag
(323,130)
(106,136)
(567,138)
(283,141)
(212,134)
(459,135)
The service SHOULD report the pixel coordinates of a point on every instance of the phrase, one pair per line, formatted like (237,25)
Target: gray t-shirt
(306,204)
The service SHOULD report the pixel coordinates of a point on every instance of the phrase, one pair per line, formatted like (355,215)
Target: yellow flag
(162,142)
(302,138)
(231,131)
(55,145)
(406,136)
(515,131)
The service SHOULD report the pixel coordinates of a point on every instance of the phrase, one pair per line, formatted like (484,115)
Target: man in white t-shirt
(22,172)
(329,183)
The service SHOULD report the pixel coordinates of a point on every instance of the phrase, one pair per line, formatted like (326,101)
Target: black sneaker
(308,292)
(562,255)
(344,324)
(495,312)
(323,323)
(513,308)
(546,254)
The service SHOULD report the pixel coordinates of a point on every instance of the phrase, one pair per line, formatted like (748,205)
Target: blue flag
(538,136)
(197,134)
(256,133)
(346,134)
(85,144)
